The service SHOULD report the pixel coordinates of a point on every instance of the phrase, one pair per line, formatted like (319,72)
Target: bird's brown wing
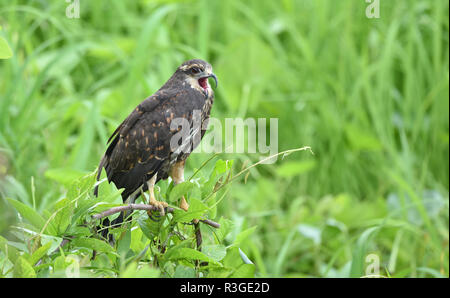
(140,145)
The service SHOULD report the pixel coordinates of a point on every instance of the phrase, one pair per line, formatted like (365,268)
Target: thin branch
(231,179)
(284,153)
(211,223)
(127,208)
(147,208)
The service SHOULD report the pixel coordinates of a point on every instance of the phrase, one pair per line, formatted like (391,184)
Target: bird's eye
(195,70)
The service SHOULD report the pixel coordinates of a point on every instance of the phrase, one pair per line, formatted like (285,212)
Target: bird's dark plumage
(141,146)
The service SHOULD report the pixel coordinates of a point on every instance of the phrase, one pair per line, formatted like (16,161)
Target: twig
(231,179)
(198,241)
(210,223)
(198,236)
(148,208)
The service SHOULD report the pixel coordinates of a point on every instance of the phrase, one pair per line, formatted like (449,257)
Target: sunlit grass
(369,96)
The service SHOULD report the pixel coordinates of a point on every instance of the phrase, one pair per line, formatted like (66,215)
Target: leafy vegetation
(62,241)
(369,96)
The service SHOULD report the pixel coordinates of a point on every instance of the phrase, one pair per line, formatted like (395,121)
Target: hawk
(142,149)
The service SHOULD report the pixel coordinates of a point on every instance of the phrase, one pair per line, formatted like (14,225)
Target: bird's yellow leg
(177,174)
(152,201)
(184,204)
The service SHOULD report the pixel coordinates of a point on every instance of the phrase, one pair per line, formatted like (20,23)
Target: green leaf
(215,252)
(220,168)
(64,210)
(39,253)
(23,269)
(124,244)
(184,272)
(79,188)
(188,254)
(219,272)
(150,228)
(29,214)
(196,210)
(82,207)
(244,271)
(211,203)
(136,244)
(180,190)
(11,252)
(224,230)
(233,258)
(183,216)
(94,244)
(59,264)
(5,50)
(78,231)
(144,271)
(243,235)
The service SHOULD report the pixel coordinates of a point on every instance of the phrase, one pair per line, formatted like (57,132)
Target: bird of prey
(141,150)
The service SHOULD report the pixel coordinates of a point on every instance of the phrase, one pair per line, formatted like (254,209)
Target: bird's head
(196,73)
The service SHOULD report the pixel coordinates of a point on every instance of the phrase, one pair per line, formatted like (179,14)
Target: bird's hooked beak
(203,82)
(212,75)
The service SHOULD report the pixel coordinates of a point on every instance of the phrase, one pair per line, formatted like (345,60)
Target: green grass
(369,96)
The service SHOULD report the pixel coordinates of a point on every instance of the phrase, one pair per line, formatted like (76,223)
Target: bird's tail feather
(107,224)
(99,173)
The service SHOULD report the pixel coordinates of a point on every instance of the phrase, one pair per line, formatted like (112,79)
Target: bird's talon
(161,206)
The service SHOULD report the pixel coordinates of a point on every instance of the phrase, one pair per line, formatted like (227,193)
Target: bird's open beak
(203,82)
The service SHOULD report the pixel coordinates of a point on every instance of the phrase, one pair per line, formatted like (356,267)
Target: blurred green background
(369,95)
